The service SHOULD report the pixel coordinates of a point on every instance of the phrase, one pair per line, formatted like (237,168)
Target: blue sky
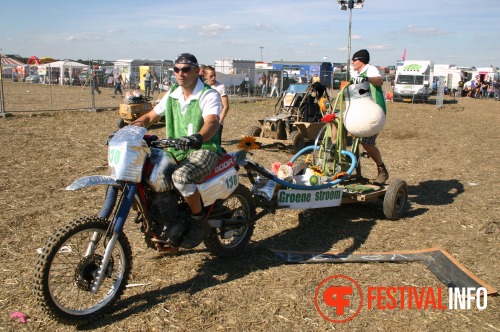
(457,32)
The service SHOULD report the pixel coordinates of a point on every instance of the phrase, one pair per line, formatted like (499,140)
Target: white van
(412,83)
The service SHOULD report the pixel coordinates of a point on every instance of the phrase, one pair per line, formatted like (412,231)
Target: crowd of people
(479,89)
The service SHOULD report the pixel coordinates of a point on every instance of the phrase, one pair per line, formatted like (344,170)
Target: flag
(403,57)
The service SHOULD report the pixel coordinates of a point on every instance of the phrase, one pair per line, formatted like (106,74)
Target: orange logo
(338,298)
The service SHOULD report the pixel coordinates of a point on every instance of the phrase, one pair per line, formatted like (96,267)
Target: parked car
(32,79)
(300,79)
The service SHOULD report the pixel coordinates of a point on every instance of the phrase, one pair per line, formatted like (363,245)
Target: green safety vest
(177,124)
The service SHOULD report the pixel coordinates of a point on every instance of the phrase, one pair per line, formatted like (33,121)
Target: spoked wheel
(396,199)
(67,267)
(238,209)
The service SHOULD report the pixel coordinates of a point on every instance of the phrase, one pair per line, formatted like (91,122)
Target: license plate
(407,99)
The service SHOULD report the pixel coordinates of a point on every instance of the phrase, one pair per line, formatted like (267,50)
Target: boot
(198,230)
(382,176)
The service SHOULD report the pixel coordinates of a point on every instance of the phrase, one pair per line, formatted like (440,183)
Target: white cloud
(265,27)
(184,27)
(424,31)
(213,29)
(379,47)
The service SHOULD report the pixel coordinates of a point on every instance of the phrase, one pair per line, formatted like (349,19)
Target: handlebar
(153,141)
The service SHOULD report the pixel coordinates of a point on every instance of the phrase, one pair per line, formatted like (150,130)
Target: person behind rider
(192,110)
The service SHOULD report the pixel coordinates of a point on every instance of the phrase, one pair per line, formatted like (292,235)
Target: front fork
(107,208)
(109,202)
(124,206)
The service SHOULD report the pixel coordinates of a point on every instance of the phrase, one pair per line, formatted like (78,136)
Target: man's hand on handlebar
(189,142)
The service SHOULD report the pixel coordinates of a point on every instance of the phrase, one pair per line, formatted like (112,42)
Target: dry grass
(448,157)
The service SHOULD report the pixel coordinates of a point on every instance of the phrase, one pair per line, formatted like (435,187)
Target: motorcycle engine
(168,215)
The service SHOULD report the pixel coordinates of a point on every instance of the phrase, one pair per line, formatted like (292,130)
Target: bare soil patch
(448,157)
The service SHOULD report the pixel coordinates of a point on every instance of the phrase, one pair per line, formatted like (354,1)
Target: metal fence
(51,89)
(36,97)
(70,89)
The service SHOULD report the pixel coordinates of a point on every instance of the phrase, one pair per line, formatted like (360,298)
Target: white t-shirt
(209,102)
(371,71)
(221,89)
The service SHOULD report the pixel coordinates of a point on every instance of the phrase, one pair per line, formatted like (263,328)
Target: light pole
(2,103)
(344,5)
(261,58)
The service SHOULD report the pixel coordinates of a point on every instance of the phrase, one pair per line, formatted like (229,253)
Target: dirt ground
(448,157)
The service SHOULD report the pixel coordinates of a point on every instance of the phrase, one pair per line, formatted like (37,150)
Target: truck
(452,75)
(413,81)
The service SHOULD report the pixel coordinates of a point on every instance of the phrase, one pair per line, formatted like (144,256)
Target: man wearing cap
(191,111)
(361,72)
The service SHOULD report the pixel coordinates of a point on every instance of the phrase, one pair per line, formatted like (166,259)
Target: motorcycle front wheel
(231,240)
(66,270)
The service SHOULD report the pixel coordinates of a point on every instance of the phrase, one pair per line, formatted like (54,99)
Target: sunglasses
(185,70)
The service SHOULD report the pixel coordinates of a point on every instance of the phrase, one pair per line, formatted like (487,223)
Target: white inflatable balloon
(362,117)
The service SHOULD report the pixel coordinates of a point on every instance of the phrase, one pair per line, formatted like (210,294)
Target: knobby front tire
(64,273)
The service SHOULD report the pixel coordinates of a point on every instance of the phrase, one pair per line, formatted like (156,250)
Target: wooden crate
(130,112)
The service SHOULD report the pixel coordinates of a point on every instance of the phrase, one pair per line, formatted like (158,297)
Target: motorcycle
(85,265)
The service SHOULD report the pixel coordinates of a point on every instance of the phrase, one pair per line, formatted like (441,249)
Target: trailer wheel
(396,199)
(298,141)
(254,131)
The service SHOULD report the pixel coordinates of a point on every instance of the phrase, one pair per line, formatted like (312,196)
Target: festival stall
(9,65)
(67,70)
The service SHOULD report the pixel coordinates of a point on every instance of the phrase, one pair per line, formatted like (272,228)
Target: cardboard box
(133,111)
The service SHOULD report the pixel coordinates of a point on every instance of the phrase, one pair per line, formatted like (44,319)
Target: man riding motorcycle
(191,109)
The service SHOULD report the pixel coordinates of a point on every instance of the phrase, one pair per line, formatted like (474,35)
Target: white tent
(9,65)
(66,66)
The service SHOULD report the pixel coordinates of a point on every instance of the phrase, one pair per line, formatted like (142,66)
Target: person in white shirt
(211,79)
(192,114)
(362,71)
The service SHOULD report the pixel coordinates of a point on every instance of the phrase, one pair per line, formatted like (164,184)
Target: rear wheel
(237,209)
(395,199)
(67,267)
